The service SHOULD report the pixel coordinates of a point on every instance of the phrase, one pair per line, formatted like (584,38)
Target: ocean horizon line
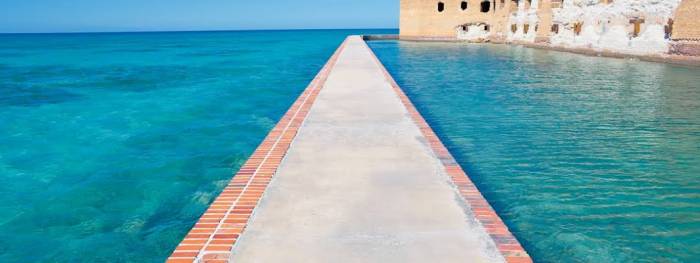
(189,31)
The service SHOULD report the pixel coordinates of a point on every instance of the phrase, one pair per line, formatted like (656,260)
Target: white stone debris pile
(611,26)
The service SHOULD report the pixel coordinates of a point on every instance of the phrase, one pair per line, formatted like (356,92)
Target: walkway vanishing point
(351,173)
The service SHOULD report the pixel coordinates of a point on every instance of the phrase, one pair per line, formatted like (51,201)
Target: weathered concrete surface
(359,184)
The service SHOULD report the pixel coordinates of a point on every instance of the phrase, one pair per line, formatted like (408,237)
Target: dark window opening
(465,28)
(526,28)
(485,6)
(513,28)
(464,5)
(555,28)
(487,28)
(441,6)
(668,29)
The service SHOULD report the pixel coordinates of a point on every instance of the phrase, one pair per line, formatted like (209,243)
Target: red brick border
(212,238)
(507,244)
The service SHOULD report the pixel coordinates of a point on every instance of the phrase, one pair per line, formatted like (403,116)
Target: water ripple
(112,145)
(587,159)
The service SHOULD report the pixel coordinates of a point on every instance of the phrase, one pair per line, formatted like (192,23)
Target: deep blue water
(587,159)
(112,145)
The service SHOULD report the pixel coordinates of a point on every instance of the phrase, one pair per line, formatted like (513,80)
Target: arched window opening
(526,28)
(485,6)
(513,28)
(464,5)
(441,7)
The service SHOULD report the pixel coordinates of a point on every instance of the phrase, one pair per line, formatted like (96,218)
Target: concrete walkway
(360,184)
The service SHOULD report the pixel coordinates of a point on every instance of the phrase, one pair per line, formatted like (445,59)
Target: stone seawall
(687,54)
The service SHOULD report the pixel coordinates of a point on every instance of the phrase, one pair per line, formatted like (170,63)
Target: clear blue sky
(153,15)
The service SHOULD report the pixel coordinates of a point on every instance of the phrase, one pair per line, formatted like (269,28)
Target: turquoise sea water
(587,159)
(112,145)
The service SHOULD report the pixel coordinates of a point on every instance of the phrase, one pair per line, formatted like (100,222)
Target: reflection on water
(587,159)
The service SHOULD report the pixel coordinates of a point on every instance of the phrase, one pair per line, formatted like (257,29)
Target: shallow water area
(112,145)
(586,159)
